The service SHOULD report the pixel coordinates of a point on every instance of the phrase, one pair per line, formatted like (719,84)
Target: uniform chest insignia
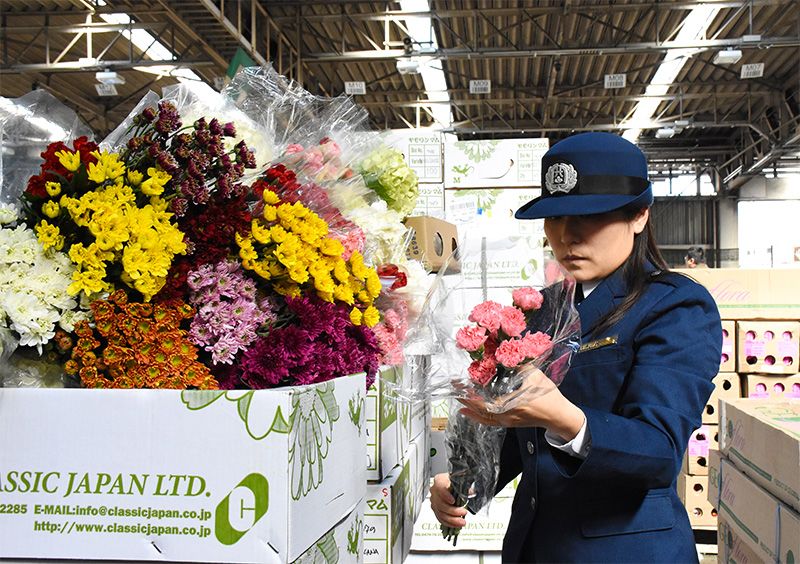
(599,343)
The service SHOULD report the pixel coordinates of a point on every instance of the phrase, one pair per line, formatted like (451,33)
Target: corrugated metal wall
(682,222)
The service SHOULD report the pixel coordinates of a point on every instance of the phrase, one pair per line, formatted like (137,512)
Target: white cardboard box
(384,517)
(235,476)
(384,450)
(762,438)
(769,527)
(343,543)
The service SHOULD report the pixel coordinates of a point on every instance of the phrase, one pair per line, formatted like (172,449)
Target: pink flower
(512,321)
(487,314)
(471,338)
(527,298)
(510,353)
(482,371)
(293,148)
(536,344)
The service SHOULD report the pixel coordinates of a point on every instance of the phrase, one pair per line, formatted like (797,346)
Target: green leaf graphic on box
(477,151)
(388,402)
(354,536)
(405,412)
(398,500)
(198,399)
(461,171)
(314,411)
(259,421)
(324,551)
(356,411)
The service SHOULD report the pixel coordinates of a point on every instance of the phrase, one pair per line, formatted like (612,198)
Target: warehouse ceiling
(546,61)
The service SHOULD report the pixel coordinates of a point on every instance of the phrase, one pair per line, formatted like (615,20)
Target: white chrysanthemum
(33,287)
(8,214)
(385,232)
(70,317)
(30,318)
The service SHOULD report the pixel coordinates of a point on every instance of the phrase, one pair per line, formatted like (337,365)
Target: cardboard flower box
(768,347)
(762,438)
(198,476)
(726,385)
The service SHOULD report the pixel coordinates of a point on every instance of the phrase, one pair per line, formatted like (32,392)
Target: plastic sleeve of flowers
(8,344)
(118,138)
(28,124)
(552,330)
(473,460)
(193,105)
(386,172)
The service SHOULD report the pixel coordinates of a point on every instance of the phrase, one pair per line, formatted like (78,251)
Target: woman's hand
(539,403)
(443,503)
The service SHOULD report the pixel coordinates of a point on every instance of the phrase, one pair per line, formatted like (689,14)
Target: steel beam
(546,51)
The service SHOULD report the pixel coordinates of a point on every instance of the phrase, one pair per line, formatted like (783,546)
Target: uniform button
(533,504)
(530,447)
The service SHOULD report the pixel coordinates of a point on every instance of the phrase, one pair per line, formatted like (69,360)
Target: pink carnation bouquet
(539,332)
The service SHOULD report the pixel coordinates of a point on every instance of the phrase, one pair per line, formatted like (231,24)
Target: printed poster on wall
(422,150)
(494,163)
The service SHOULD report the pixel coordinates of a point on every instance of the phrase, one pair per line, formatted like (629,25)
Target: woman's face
(590,247)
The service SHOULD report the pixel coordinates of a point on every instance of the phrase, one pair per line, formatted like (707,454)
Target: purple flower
(214,127)
(179,206)
(167,162)
(168,118)
(229,130)
(201,124)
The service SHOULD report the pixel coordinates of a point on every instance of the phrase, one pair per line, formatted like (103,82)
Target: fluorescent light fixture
(408,66)
(693,27)
(109,77)
(665,133)
(420,28)
(727,57)
(87,62)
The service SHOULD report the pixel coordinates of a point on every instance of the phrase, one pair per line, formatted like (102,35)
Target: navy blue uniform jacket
(643,385)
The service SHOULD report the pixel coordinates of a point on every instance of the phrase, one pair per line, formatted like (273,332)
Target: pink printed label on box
(754,348)
(699,447)
(727,347)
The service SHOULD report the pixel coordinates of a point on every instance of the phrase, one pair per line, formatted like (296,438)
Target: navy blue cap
(590,173)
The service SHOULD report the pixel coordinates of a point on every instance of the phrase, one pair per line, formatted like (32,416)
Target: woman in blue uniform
(600,455)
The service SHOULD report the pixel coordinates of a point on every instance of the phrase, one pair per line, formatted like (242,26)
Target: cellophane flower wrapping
(490,349)
(210,241)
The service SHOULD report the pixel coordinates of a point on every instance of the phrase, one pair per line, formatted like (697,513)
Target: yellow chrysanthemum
(69,160)
(331,247)
(270,197)
(371,316)
(88,281)
(107,167)
(53,188)
(135,177)
(51,209)
(344,294)
(270,213)
(49,236)
(355,316)
(154,185)
(260,231)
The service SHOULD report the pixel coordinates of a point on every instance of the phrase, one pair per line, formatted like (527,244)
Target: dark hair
(633,270)
(697,254)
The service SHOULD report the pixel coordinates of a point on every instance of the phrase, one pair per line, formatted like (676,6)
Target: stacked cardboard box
(755,480)
(399,477)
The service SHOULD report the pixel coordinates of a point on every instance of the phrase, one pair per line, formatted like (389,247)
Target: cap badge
(561,177)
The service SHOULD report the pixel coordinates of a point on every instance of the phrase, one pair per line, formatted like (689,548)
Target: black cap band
(609,184)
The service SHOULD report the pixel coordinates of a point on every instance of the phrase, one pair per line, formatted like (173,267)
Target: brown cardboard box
(433,243)
(731,547)
(693,492)
(695,461)
(728,361)
(775,387)
(770,528)
(768,347)
(751,294)
(726,385)
(762,438)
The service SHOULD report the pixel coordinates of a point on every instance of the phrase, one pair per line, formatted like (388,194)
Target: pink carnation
(527,298)
(536,344)
(482,371)
(293,148)
(487,314)
(512,321)
(510,353)
(471,338)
